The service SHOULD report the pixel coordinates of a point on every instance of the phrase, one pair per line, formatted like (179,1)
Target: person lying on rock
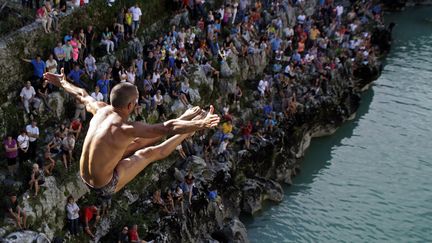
(116,150)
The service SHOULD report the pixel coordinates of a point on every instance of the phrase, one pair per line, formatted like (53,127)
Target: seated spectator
(124,235)
(23,146)
(209,70)
(28,97)
(104,84)
(90,65)
(37,179)
(72,217)
(263,87)
(170,202)
(157,200)
(134,237)
(51,64)
(188,187)
(14,211)
(178,198)
(80,111)
(87,214)
(98,96)
(43,18)
(75,127)
(11,149)
(107,40)
(68,145)
(227,128)
(49,161)
(42,92)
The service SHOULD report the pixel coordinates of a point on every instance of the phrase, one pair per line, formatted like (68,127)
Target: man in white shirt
(28,97)
(262,86)
(136,17)
(51,64)
(97,95)
(33,134)
(90,65)
(23,146)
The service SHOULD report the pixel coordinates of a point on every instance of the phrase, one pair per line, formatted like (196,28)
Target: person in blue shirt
(38,67)
(75,75)
(103,85)
(276,43)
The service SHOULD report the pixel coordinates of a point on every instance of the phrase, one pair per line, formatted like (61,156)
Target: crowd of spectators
(304,56)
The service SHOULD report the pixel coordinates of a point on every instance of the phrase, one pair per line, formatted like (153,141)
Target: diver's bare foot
(190,113)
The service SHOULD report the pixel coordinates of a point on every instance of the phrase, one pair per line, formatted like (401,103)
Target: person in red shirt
(246,132)
(87,215)
(75,127)
(134,237)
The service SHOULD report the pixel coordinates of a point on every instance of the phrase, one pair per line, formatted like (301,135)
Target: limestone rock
(256,190)
(235,231)
(26,236)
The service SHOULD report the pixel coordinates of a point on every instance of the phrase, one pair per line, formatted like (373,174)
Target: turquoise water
(372,180)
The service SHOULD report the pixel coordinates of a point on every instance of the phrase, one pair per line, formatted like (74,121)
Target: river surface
(372,180)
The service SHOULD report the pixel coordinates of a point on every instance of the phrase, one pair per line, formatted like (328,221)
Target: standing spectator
(159,102)
(67,48)
(51,64)
(87,214)
(134,237)
(68,145)
(23,145)
(37,179)
(103,85)
(33,134)
(136,18)
(246,132)
(38,67)
(60,56)
(90,36)
(75,75)
(72,215)
(28,97)
(11,149)
(90,65)
(15,212)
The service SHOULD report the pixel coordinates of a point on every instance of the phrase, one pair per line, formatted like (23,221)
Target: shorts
(11,161)
(108,190)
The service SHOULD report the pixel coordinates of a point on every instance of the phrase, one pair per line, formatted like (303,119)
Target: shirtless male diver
(116,150)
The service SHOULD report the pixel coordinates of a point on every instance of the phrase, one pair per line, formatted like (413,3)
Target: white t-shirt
(90,63)
(27,93)
(136,13)
(23,141)
(33,130)
(68,143)
(52,64)
(72,212)
(98,96)
(339,10)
